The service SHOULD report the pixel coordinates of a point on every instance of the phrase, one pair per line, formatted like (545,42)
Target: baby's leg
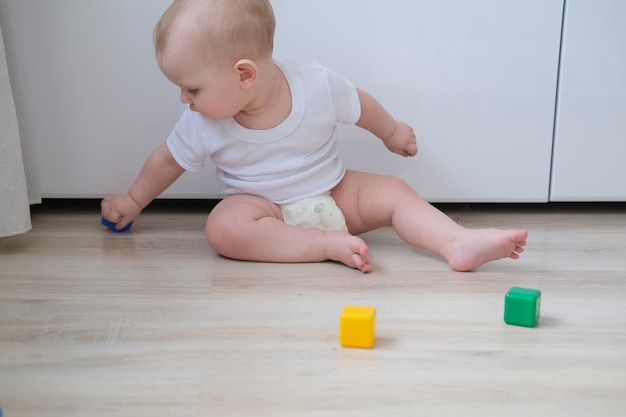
(251,228)
(369,201)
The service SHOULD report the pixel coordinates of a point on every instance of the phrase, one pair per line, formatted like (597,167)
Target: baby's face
(209,90)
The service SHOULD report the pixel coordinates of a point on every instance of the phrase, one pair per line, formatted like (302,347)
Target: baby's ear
(248,71)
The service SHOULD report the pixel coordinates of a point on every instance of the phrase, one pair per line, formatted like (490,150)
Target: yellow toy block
(356,327)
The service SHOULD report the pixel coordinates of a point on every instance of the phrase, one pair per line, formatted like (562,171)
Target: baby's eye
(193,92)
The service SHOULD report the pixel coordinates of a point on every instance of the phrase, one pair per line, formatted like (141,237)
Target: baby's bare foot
(473,248)
(350,250)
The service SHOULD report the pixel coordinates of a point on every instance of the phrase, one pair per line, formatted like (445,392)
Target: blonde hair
(220,31)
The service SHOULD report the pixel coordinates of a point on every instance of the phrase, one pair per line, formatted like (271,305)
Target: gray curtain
(18,188)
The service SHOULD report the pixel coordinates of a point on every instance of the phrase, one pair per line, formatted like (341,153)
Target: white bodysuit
(297,159)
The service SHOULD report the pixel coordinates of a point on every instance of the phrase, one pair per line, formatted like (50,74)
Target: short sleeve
(186,143)
(344,98)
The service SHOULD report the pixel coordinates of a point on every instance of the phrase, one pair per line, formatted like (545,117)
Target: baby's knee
(220,233)
(396,184)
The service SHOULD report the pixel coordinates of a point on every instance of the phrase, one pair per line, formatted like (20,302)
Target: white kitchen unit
(476,79)
(590,135)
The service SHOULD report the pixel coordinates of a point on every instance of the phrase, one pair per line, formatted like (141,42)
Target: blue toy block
(111,226)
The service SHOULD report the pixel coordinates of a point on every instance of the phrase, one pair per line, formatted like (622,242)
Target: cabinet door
(97,104)
(476,79)
(590,140)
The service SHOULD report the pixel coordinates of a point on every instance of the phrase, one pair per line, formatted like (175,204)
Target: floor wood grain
(154,323)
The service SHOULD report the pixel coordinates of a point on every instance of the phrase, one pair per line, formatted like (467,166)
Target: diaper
(319,212)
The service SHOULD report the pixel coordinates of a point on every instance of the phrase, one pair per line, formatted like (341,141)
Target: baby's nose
(184,98)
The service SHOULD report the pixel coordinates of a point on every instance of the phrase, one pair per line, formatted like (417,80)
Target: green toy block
(521,306)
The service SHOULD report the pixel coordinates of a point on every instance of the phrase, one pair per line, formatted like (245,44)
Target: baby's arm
(398,137)
(159,172)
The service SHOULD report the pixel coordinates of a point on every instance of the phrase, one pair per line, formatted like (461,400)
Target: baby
(269,128)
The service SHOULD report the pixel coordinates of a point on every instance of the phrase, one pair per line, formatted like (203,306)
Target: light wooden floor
(153,323)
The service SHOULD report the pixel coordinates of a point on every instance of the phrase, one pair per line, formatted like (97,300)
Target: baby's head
(216,32)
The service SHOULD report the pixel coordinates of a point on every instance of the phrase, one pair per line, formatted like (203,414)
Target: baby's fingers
(110,213)
(409,150)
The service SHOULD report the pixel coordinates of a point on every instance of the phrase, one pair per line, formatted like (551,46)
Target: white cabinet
(590,134)
(476,79)
(97,103)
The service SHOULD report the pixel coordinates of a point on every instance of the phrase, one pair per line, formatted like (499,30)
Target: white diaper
(319,212)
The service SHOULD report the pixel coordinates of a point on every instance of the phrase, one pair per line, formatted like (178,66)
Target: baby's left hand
(402,141)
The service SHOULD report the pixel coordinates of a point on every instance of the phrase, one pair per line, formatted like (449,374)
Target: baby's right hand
(120,209)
